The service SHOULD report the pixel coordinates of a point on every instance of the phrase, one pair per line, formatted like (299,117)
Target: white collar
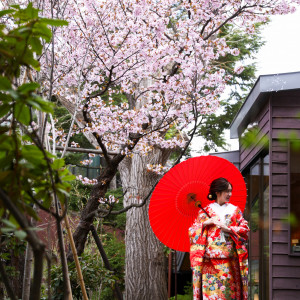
(222,210)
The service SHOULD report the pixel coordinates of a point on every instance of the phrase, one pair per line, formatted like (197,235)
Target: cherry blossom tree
(138,70)
(141,71)
(147,70)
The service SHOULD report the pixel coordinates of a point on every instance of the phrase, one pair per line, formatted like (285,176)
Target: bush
(79,195)
(94,273)
(115,251)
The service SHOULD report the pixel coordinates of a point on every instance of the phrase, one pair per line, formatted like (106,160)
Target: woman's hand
(216,222)
(211,221)
(225,228)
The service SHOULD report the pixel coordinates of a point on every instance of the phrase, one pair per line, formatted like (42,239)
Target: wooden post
(170,275)
(78,269)
(175,272)
(27,272)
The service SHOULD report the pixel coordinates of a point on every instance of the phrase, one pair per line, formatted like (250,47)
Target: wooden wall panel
(286,283)
(279,225)
(247,154)
(279,168)
(285,294)
(288,272)
(280,156)
(279,190)
(283,123)
(280,248)
(285,260)
(286,99)
(280,236)
(285,112)
(246,151)
(285,133)
(280,179)
(279,202)
(279,213)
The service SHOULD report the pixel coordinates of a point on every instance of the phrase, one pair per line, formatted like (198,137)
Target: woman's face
(224,197)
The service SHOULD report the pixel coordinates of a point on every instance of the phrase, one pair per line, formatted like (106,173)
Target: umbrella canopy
(174,204)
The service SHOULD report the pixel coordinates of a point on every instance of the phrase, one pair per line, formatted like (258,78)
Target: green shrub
(115,251)
(94,273)
(79,195)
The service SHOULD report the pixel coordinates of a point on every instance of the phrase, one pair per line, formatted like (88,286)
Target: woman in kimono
(218,253)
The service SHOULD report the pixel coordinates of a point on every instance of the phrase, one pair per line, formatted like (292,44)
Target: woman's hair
(218,185)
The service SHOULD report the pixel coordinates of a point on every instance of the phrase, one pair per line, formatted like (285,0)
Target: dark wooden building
(270,164)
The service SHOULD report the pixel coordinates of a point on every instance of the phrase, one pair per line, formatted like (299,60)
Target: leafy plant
(115,251)
(11,248)
(93,270)
(78,195)
(29,175)
(93,273)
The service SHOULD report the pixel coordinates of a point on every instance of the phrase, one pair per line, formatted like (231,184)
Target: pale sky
(280,54)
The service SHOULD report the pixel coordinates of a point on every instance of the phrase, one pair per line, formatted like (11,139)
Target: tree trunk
(86,219)
(145,265)
(17,260)
(27,273)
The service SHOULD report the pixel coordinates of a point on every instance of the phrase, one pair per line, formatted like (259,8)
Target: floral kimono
(219,260)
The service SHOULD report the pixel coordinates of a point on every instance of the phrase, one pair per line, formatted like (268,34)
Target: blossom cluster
(75,145)
(110,200)
(249,128)
(86,180)
(157,168)
(86,162)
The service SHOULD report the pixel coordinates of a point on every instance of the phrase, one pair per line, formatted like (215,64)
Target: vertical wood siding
(285,276)
(279,118)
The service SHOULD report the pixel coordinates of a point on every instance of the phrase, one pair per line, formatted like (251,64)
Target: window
(265,249)
(294,216)
(254,232)
(258,215)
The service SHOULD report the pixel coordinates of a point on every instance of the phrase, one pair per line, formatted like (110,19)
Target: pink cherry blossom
(155,60)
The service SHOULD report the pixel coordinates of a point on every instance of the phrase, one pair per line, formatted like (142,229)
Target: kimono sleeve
(239,226)
(197,235)
(196,230)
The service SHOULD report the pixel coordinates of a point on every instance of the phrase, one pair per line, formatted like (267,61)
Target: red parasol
(175,200)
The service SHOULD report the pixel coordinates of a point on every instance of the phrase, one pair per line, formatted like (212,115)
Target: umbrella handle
(199,205)
(193,197)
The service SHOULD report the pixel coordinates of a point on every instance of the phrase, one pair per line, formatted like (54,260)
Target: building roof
(258,96)
(232,156)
